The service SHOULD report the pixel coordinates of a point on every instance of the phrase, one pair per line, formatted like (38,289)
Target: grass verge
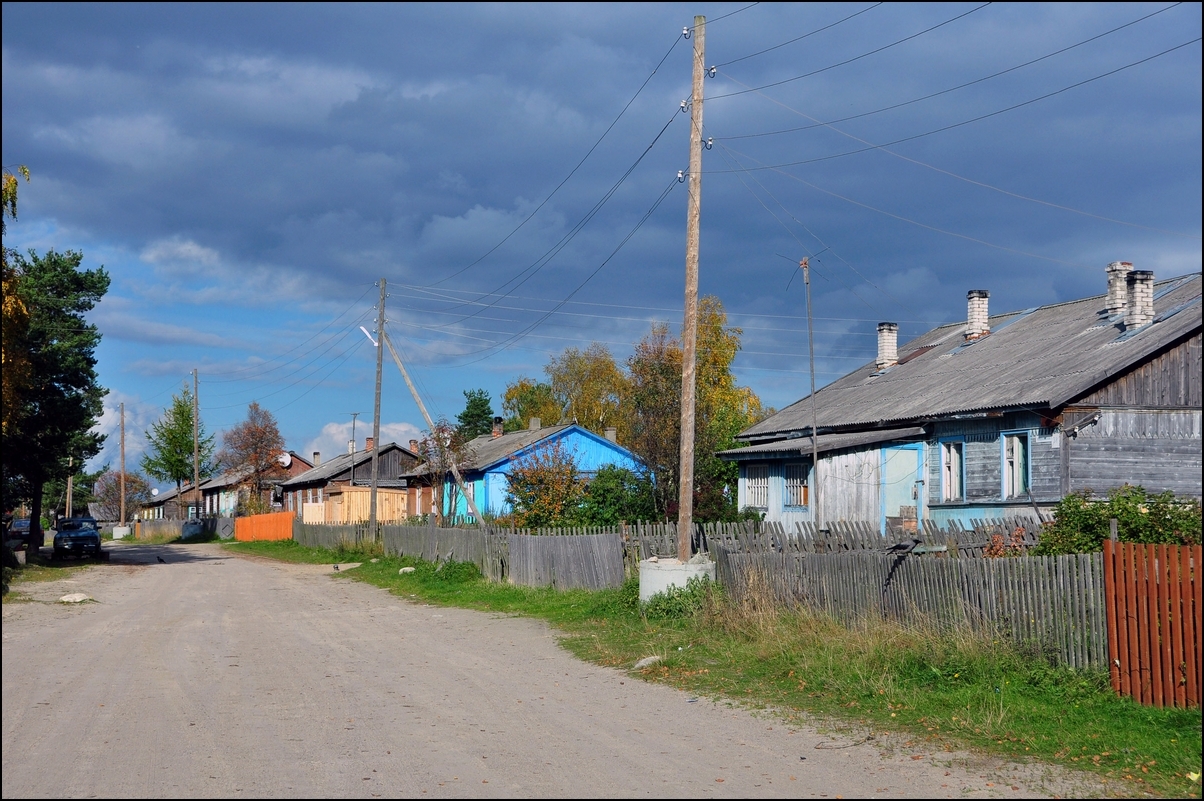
(946,691)
(38,569)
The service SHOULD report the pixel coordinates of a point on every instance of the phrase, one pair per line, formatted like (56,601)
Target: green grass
(36,570)
(952,690)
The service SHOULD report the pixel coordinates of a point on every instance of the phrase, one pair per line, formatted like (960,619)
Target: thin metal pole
(689,333)
(122,483)
(816,518)
(380,332)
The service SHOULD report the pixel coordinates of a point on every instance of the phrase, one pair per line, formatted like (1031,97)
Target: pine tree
(477,417)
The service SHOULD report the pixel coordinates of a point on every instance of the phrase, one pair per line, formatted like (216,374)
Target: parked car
(18,529)
(77,536)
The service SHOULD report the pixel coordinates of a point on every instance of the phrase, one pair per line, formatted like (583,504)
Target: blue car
(77,536)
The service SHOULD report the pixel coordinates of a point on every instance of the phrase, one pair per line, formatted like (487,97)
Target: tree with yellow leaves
(14,351)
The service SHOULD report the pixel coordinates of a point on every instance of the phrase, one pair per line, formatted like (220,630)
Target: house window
(796,485)
(952,465)
(1015,465)
(756,486)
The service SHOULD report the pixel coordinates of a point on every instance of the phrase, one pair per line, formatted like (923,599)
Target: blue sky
(248,172)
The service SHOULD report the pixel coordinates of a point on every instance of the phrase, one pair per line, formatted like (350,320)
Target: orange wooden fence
(1152,596)
(275,526)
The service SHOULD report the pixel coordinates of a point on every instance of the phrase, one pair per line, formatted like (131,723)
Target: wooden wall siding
(1055,603)
(1158,449)
(849,485)
(1170,379)
(1046,475)
(1153,602)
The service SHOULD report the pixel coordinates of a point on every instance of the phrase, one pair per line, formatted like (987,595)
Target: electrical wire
(951,89)
(884,147)
(855,58)
(572,172)
(799,38)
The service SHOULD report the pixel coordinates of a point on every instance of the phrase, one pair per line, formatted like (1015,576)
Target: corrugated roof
(801,446)
(486,450)
(1035,358)
(338,464)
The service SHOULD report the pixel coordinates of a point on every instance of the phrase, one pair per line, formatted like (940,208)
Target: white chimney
(1139,310)
(534,425)
(317,458)
(350,446)
(977,325)
(1117,291)
(888,345)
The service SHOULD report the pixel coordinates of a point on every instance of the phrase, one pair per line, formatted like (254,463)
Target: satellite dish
(155,491)
(285,459)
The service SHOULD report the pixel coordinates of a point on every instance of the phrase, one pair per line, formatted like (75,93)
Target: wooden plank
(1189,564)
(1164,634)
(1145,680)
(1175,627)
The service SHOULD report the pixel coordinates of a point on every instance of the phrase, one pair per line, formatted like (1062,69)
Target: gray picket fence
(221,526)
(1052,603)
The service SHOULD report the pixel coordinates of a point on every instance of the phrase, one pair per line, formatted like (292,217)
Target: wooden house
(488,459)
(1000,415)
(337,491)
(222,494)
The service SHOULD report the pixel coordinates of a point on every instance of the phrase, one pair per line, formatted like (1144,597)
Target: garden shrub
(1080,522)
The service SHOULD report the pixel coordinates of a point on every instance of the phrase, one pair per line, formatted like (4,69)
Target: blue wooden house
(489,458)
(998,416)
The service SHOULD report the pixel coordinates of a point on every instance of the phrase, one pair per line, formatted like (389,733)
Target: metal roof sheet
(823,443)
(1036,358)
(336,465)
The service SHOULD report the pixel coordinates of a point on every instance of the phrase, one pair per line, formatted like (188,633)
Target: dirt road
(215,675)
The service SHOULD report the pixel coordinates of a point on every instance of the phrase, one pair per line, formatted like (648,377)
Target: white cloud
(139,416)
(335,436)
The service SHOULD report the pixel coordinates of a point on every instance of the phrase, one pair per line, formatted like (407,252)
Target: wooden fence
(1154,622)
(581,561)
(1052,604)
(274,526)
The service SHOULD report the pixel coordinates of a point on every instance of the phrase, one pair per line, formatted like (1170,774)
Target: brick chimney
(317,458)
(1139,310)
(977,325)
(612,434)
(369,444)
(1117,291)
(414,445)
(888,345)
(497,427)
(534,425)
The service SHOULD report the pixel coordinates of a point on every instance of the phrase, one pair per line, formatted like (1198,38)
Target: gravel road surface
(217,675)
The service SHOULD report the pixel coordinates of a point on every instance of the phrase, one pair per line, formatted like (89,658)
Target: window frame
(1008,474)
(804,484)
(945,496)
(761,486)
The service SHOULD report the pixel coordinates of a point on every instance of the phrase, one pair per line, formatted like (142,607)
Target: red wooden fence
(273,526)
(1152,596)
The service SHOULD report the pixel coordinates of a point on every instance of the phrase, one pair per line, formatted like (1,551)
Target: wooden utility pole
(121,485)
(196,444)
(380,334)
(430,425)
(816,518)
(70,482)
(689,333)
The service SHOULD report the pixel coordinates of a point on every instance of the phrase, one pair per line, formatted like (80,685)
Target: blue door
(902,491)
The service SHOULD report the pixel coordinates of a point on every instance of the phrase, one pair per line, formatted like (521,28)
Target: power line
(855,58)
(883,147)
(799,38)
(951,89)
(572,172)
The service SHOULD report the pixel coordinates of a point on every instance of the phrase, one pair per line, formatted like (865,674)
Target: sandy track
(216,675)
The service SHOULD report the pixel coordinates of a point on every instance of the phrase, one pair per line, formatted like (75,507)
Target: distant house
(996,416)
(489,458)
(221,494)
(337,491)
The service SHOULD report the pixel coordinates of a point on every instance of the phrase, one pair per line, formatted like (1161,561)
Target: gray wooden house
(997,416)
(347,470)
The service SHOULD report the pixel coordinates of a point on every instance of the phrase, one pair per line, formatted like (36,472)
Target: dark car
(19,530)
(77,536)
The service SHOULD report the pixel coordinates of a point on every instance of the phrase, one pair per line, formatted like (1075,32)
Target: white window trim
(1005,474)
(944,487)
(756,488)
